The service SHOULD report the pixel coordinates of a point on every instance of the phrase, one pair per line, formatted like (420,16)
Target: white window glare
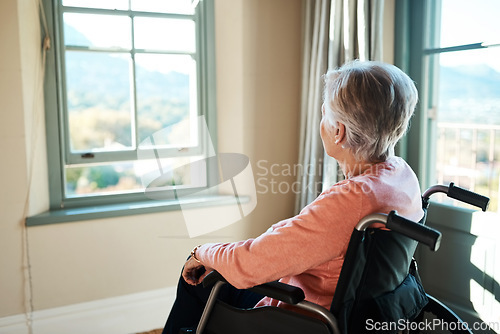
(186,7)
(106,31)
(464,22)
(102,4)
(171,6)
(169,34)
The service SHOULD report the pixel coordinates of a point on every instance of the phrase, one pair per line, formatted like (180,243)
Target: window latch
(87,155)
(432,113)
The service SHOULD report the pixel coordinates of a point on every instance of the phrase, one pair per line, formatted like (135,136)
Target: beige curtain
(335,31)
(356,31)
(316,23)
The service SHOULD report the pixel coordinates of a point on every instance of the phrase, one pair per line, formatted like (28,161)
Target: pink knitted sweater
(308,250)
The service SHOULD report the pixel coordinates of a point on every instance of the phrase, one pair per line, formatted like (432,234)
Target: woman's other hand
(194,271)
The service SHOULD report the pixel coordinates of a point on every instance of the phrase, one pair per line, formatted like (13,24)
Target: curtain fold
(315,63)
(356,31)
(334,32)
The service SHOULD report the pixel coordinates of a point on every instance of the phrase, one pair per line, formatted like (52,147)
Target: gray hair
(375,102)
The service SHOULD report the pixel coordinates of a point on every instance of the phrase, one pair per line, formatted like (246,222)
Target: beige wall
(389,12)
(258,80)
(258,89)
(13,166)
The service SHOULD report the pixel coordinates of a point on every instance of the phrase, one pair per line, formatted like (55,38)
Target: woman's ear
(339,133)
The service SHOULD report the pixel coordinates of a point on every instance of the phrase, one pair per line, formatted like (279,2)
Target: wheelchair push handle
(468,196)
(457,193)
(416,231)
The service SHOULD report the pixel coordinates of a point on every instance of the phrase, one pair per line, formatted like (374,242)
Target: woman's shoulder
(394,167)
(347,188)
(393,171)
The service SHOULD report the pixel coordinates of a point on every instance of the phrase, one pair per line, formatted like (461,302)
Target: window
(450,48)
(454,60)
(129,99)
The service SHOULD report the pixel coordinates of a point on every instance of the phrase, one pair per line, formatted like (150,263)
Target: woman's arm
(318,234)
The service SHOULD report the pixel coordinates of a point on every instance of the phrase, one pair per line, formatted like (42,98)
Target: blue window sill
(125,209)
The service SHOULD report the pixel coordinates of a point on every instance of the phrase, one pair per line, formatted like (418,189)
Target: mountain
(469,94)
(103,80)
(479,81)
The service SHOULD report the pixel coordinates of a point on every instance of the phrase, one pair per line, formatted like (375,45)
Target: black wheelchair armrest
(286,293)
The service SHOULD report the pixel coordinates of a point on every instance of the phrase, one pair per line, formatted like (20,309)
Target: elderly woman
(366,110)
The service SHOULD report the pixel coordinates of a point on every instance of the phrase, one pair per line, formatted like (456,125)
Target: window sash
(59,153)
(103,155)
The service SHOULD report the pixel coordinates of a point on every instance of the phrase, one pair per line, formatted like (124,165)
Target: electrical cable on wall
(35,127)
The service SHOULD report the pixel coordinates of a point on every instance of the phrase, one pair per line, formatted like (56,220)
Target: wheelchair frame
(295,296)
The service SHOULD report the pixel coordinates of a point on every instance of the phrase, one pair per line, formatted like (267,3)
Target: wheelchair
(378,291)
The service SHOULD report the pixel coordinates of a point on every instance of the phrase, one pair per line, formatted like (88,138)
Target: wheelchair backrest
(377,263)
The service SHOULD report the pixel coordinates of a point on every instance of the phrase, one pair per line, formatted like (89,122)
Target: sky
(467,22)
(177,35)
(463,22)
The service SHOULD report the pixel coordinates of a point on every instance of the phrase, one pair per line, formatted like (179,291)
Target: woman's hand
(194,271)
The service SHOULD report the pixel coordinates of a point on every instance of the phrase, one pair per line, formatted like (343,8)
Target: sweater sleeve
(318,234)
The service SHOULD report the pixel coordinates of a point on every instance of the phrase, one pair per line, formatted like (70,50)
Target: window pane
(468,151)
(166,99)
(467,22)
(164,34)
(103,4)
(162,174)
(100,179)
(98,100)
(162,6)
(133,176)
(104,31)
